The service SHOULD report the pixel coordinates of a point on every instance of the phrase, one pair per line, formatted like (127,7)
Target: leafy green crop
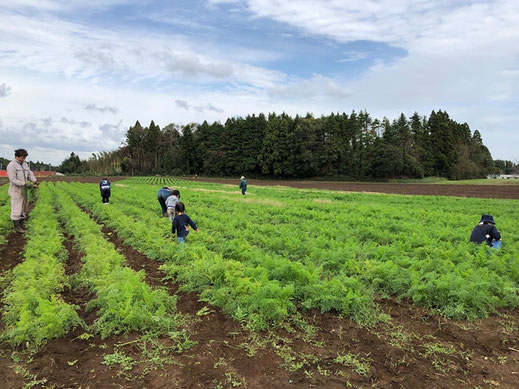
(34,313)
(265,255)
(125,302)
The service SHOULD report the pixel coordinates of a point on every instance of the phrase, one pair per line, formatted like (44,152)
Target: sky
(75,74)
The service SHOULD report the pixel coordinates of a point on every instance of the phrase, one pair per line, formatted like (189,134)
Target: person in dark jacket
(162,196)
(243,185)
(486,231)
(181,223)
(104,187)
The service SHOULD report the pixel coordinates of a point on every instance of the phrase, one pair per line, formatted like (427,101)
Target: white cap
(242,177)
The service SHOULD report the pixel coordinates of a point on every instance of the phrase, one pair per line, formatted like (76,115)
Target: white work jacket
(19,174)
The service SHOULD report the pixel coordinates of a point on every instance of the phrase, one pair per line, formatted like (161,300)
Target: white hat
(242,177)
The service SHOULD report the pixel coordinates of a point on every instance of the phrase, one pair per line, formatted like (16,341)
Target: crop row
(5,213)
(162,181)
(415,247)
(34,312)
(125,301)
(256,292)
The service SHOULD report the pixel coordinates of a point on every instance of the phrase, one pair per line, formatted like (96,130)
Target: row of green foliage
(4,196)
(162,181)
(34,311)
(5,213)
(409,246)
(311,287)
(256,288)
(125,302)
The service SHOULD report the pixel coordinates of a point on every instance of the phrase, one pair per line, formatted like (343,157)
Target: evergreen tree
(135,140)
(71,165)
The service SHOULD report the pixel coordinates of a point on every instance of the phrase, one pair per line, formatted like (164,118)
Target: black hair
(21,153)
(176,192)
(180,207)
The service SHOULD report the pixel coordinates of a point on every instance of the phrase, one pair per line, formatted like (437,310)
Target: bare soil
(416,349)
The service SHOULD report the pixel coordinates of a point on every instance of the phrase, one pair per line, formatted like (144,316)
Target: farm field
(481,188)
(284,287)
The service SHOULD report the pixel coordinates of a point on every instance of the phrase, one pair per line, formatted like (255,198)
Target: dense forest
(344,146)
(340,146)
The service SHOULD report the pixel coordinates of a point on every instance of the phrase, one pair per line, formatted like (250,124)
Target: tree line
(342,146)
(353,146)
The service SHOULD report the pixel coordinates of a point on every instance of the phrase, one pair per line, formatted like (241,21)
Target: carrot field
(321,288)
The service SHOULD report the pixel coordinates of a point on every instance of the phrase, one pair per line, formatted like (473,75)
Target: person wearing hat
(243,185)
(486,231)
(162,196)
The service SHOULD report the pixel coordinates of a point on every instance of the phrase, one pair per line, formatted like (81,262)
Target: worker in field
(162,196)
(181,223)
(171,202)
(104,187)
(243,185)
(486,231)
(21,178)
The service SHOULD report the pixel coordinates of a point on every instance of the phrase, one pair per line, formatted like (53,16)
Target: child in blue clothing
(181,223)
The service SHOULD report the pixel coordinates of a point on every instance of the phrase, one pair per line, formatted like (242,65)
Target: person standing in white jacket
(21,178)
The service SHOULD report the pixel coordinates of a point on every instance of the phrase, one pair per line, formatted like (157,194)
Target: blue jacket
(485,233)
(181,225)
(104,185)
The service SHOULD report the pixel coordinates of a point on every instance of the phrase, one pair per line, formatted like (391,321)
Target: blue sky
(75,74)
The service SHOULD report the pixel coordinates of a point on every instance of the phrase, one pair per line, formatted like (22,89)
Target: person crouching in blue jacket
(181,223)
(486,231)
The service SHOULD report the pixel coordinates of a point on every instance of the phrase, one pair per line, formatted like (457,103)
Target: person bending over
(486,231)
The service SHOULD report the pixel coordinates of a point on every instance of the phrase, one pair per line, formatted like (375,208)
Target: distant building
(3,173)
(503,176)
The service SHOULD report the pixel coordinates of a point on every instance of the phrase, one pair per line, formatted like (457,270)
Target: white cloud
(317,87)
(93,107)
(62,76)
(182,104)
(5,90)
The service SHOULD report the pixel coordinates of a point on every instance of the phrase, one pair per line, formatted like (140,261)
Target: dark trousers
(161,197)
(105,195)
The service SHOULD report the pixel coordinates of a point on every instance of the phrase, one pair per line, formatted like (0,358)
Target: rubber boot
(18,227)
